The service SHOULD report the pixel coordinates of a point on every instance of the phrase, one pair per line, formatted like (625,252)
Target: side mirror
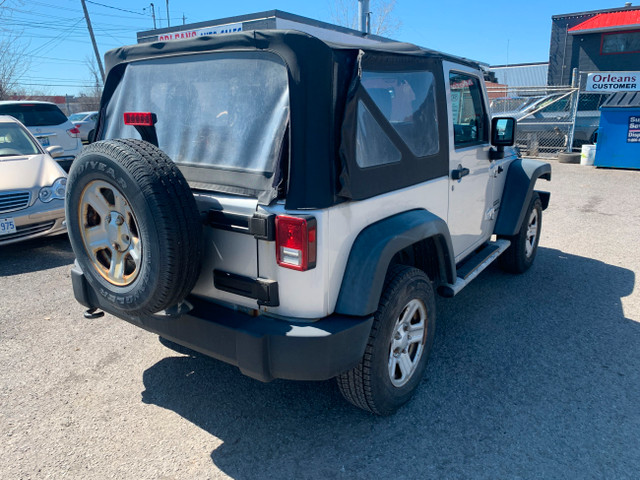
(55,151)
(503,132)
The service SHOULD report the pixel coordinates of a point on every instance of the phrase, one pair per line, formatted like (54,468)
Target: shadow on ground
(534,375)
(35,255)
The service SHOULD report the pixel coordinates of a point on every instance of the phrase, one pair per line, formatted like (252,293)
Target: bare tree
(13,61)
(89,98)
(383,20)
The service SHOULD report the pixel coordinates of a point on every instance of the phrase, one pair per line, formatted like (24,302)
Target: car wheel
(399,344)
(524,244)
(134,225)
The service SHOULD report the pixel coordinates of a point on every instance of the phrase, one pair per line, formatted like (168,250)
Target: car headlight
(54,192)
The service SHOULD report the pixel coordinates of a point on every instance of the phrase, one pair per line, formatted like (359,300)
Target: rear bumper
(262,347)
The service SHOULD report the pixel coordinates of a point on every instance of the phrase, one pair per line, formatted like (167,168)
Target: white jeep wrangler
(291,206)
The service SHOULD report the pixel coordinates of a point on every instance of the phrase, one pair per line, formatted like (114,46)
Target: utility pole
(184,19)
(364,16)
(93,38)
(153,15)
(168,23)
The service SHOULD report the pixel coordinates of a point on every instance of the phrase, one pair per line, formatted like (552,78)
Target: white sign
(231,28)
(613,82)
(455,105)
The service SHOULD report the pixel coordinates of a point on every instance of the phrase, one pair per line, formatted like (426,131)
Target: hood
(28,172)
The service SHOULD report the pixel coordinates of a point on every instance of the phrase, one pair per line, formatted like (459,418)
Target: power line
(115,8)
(56,85)
(56,7)
(58,37)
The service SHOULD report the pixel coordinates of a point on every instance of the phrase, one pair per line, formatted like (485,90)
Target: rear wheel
(399,344)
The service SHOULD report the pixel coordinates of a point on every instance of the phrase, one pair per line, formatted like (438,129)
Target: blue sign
(633,134)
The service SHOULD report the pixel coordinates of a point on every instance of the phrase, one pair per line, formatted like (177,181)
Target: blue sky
(55,35)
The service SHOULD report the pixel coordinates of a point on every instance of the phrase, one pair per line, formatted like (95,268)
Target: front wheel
(524,244)
(399,344)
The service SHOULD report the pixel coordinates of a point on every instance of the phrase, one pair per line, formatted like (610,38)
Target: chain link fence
(551,120)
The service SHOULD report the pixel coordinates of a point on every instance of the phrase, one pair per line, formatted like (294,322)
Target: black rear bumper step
(262,347)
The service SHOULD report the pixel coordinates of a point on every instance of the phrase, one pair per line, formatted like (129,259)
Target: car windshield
(34,114)
(226,112)
(15,141)
(77,117)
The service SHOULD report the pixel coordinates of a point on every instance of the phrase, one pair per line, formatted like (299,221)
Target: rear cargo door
(230,265)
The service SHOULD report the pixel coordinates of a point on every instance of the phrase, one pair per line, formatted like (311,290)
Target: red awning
(611,21)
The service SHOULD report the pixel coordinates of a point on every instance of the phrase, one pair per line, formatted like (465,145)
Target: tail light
(296,242)
(73,132)
(143,119)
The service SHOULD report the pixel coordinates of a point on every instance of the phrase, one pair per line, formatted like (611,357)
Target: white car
(48,124)
(32,186)
(85,122)
(294,208)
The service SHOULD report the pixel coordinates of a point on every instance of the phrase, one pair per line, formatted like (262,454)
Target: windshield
(77,117)
(221,117)
(34,114)
(15,141)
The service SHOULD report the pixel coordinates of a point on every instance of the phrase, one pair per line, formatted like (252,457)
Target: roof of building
(593,12)
(609,21)
(522,75)
(623,100)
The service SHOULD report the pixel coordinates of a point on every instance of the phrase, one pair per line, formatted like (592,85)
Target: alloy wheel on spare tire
(134,225)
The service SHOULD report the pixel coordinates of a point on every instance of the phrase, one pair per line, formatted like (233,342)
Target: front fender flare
(374,249)
(518,190)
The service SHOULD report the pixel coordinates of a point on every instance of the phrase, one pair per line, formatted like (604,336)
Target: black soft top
(321,84)
(262,39)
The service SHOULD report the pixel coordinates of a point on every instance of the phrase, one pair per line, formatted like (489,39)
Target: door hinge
(491,214)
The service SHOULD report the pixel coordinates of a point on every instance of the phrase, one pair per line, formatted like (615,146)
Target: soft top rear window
(221,116)
(34,114)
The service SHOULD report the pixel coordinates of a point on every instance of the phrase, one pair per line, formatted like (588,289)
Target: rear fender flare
(375,247)
(518,190)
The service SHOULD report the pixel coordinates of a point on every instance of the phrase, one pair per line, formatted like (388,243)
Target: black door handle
(460,172)
(500,169)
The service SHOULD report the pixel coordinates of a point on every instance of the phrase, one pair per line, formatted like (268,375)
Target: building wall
(521,75)
(582,51)
(562,57)
(589,58)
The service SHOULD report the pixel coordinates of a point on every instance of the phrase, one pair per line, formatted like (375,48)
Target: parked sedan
(32,185)
(85,122)
(48,124)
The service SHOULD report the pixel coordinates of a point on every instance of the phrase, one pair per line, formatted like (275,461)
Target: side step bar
(471,268)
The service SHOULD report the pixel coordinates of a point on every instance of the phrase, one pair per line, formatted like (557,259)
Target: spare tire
(134,225)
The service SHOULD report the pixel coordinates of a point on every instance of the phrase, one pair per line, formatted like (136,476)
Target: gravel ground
(536,375)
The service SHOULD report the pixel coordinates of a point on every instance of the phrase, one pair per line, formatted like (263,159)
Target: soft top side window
(408,101)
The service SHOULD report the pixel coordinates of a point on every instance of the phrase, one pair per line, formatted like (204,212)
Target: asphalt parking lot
(531,376)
